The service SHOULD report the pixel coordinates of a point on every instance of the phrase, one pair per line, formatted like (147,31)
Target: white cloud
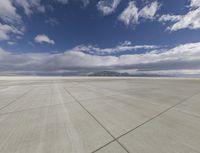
(44,39)
(6,30)
(149,11)
(168,17)
(11,21)
(190,20)
(8,12)
(30,5)
(182,57)
(195,3)
(85,2)
(107,7)
(123,47)
(8,9)
(132,14)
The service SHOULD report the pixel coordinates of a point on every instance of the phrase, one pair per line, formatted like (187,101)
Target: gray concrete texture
(102,115)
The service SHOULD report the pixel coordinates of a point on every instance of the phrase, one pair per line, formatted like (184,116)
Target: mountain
(108,73)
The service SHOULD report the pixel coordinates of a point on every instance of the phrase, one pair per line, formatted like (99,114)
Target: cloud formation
(195,3)
(43,39)
(85,2)
(149,11)
(8,12)
(107,7)
(30,5)
(6,30)
(131,15)
(10,21)
(190,20)
(121,48)
(180,58)
(169,17)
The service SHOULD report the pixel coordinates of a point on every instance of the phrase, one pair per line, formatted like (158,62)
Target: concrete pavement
(102,115)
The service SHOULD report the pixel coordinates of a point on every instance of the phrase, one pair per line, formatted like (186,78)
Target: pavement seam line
(13,101)
(114,139)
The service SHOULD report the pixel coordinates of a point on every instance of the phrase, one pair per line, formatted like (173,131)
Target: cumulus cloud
(11,21)
(8,9)
(195,3)
(107,7)
(44,39)
(179,58)
(8,12)
(149,11)
(132,14)
(190,20)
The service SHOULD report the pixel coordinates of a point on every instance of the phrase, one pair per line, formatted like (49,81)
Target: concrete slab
(191,106)
(121,116)
(11,94)
(82,93)
(40,96)
(171,132)
(163,92)
(59,129)
(165,97)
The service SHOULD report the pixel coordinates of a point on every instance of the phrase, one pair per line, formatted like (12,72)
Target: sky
(74,37)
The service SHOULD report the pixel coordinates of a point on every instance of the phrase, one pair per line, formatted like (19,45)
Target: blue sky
(82,36)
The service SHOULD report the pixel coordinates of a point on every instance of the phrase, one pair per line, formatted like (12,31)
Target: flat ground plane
(101,115)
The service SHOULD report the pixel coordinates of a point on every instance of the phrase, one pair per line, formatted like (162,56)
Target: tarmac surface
(99,115)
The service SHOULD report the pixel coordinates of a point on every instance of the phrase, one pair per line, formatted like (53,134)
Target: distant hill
(117,74)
